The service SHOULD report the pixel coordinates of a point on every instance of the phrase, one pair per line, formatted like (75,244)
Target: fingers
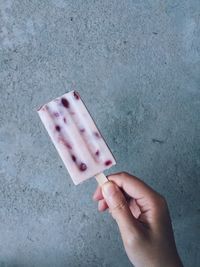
(98,194)
(145,204)
(134,208)
(144,195)
(132,185)
(119,208)
(102,205)
(150,202)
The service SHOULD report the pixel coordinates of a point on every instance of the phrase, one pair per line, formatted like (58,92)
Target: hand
(143,219)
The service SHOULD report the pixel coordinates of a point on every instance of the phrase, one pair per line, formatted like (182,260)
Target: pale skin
(143,219)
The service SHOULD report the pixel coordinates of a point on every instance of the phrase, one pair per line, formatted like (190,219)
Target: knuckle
(120,175)
(134,239)
(130,241)
(160,202)
(123,173)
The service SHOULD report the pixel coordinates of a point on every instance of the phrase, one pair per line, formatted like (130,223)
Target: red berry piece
(56,114)
(64,119)
(83,167)
(65,102)
(68,145)
(57,127)
(97,134)
(76,95)
(108,162)
(97,153)
(82,130)
(73,158)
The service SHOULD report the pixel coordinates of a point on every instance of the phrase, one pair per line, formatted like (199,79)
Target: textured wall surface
(137,67)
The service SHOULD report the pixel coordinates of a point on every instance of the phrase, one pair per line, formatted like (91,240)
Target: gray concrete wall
(137,66)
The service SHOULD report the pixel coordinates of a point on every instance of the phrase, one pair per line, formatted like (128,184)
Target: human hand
(143,219)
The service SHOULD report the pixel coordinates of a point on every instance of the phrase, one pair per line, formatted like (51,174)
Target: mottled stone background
(137,66)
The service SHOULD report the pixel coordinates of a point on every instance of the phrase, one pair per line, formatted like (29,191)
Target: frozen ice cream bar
(76,137)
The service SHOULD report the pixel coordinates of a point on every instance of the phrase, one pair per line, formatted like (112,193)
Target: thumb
(119,207)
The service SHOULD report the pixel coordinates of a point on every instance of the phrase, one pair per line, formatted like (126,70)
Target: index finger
(134,187)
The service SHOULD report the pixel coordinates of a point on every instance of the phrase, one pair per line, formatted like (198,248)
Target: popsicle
(76,138)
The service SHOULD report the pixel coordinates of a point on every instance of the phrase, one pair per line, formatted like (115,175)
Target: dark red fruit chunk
(57,128)
(73,158)
(56,114)
(65,102)
(108,162)
(97,134)
(97,153)
(82,130)
(82,167)
(76,95)
(65,121)
(68,145)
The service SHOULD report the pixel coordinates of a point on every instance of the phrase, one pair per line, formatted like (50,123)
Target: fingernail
(109,189)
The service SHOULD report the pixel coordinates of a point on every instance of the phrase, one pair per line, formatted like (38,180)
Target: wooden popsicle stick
(101,178)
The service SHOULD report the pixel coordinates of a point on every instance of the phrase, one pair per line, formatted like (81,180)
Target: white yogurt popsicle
(76,137)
